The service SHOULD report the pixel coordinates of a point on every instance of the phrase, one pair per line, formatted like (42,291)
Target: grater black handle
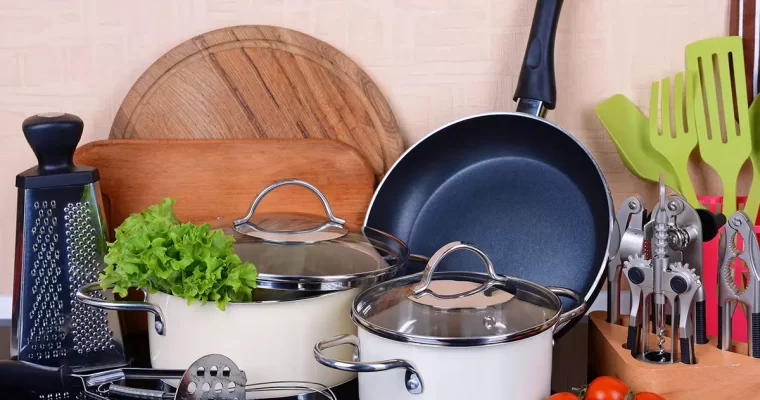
(22,374)
(54,138)
(701,319)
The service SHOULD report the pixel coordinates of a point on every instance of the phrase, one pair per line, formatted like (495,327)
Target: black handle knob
(54,138)
(23,374)
(711,223)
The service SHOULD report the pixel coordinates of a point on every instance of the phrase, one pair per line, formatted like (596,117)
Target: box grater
(60,243)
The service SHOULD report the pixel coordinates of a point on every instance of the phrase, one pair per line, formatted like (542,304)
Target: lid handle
(423,289)
(333,222)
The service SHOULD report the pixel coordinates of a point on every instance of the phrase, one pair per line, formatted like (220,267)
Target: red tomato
(564,396)
(606,388)
(648,396)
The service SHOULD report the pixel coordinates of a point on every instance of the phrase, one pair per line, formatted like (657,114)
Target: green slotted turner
(629,130)
(753,199)
(677,148)
(725,156)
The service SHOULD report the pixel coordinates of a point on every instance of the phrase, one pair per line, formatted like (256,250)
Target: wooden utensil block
(216,180)
(717,375)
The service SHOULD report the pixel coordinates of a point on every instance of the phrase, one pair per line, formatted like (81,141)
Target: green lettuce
(154,250)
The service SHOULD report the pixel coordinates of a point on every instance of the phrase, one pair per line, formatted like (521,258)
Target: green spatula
(753,199)
(676,148)
(629,130)
(716,60)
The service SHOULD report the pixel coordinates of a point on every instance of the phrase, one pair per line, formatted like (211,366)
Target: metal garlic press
(729,294)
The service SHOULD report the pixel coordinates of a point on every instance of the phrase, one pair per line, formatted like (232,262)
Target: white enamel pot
(452,335)
(308,278)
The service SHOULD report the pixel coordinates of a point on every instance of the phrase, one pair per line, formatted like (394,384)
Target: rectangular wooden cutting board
(217,180)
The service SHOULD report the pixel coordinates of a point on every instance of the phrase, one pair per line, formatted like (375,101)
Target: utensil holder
(716,375)
(710,272)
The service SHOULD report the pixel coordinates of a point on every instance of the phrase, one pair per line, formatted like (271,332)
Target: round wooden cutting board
(260,82)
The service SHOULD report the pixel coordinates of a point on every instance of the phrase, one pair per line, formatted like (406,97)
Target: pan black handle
(22,374)
(536,89)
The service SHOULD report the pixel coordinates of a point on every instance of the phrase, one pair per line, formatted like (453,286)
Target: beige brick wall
(436,60)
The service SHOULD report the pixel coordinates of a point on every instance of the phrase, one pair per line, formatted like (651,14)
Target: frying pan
(516,185)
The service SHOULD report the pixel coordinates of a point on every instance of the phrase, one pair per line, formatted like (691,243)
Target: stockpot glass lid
(458,308)
(302,252)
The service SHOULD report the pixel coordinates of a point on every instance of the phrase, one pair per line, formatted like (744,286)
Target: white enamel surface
(268,341)
(518,370)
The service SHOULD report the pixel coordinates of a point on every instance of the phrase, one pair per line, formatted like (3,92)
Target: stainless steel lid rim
(309,296)
(366,299)
(429,341)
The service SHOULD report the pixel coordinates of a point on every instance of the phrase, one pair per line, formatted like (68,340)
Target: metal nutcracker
(729,294)
(630,224)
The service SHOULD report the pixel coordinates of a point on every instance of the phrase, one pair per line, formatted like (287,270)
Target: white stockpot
(309,273)
(453,335)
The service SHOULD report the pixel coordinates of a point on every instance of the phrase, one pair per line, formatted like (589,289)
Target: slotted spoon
(675,149)
(715,111)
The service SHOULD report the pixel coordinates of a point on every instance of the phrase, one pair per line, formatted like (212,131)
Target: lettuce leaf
(154,250)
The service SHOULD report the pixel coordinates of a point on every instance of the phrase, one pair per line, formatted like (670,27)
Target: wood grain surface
(744,22)
(716,375)
(260,82)
(216,180)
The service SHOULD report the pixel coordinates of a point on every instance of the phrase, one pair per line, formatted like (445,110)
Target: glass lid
(302,252)
(459,308)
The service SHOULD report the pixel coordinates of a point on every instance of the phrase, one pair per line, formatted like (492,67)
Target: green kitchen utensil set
(709,112)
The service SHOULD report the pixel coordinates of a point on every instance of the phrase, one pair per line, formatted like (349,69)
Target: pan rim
(591,295)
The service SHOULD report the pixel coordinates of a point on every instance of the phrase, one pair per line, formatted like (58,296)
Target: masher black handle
(43,379)
(54,138)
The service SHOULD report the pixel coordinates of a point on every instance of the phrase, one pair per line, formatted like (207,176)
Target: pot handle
(423,289)
(334,221)
(412,380)
(83,296)
(572,314)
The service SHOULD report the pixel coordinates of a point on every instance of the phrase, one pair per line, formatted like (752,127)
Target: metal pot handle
(423,289)
(334,221)
(412,379)
(572,314)
(84,297)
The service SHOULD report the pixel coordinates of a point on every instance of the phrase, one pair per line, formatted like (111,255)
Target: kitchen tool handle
(755,335)
(137,393)
(573,313)
(82,296)
(412,380)
(536,83)
(633,334)
(23,374)
(334,221)
(53,137)
(687,350)
(701,322)
(720,327)
(423,289)
(711,223)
